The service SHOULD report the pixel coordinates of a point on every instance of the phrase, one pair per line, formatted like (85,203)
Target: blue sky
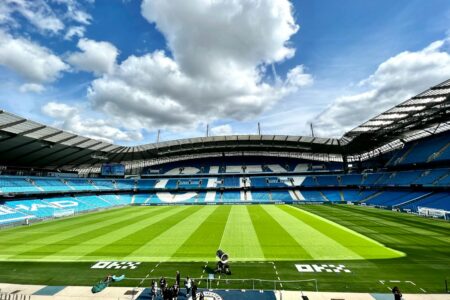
(121,70)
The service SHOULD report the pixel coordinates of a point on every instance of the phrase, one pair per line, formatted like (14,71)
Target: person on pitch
(188,285)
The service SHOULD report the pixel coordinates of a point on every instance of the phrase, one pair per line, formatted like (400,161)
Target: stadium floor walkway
(41,292)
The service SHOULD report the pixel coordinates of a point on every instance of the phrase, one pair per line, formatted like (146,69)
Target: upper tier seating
(351,179)
(16,185)
(430,149)
(430,177)
(51,184)
(80,184)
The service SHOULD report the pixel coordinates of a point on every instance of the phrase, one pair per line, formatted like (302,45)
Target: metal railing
(13,296)
(236,284)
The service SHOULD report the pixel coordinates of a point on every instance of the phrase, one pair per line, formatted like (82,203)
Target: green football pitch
(272,242)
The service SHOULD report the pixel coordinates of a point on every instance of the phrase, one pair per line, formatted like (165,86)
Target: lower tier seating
(47,207)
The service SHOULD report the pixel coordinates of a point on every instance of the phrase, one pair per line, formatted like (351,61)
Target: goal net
(433,212)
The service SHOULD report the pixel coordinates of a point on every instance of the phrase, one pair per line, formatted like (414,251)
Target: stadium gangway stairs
(13,296)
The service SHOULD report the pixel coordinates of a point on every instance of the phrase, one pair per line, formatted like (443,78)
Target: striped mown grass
(190,233)
(379,247)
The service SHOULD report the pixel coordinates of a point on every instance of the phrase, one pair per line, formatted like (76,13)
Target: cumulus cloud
(32,88)
(33,62)
(97,57)
(72,119)
(395,80)
(220,51)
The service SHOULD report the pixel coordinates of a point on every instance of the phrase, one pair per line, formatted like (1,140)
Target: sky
(120,70)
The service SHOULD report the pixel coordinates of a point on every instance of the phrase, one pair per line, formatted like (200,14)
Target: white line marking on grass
(423,290)
(389,288)
(394,281)
(410,282)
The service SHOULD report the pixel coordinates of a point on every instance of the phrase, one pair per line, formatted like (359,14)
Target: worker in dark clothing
(162,285)
(176,291)
(397,294)
(178,278)
(194,290)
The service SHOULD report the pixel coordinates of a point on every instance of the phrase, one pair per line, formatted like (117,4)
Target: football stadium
(224,150)
(356,214)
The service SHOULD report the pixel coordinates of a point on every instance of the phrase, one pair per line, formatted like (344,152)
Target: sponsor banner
(307,268)
(123,265)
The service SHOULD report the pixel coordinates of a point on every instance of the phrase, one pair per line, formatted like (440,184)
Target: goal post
(433,212)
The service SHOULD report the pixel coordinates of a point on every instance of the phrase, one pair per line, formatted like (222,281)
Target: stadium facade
(399,159)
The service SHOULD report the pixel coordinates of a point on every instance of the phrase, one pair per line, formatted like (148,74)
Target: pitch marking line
(276,273)
(422,290)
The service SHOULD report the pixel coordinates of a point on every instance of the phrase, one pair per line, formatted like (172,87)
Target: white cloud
(44,17)
(395,80)
(97,57)
(296,77)
(226,34)
(220,51)
(225,129)
(72,119)
(33,62)
(37,12)
(74,31)
(32,88)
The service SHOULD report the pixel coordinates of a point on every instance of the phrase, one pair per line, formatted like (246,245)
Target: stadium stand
(381,163)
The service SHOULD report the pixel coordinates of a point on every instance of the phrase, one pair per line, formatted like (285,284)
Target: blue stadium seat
(435,200)
(332,195)
(16,185)
(313,196)
(429,177)
(281,196)
(351,179)
(327,180)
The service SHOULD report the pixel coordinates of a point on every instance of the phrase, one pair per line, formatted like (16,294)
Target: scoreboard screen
(113,170)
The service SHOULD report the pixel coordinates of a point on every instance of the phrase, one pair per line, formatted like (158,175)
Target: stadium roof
(425,114)
(27,143)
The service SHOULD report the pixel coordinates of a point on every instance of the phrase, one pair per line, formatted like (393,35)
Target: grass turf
(377,246)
